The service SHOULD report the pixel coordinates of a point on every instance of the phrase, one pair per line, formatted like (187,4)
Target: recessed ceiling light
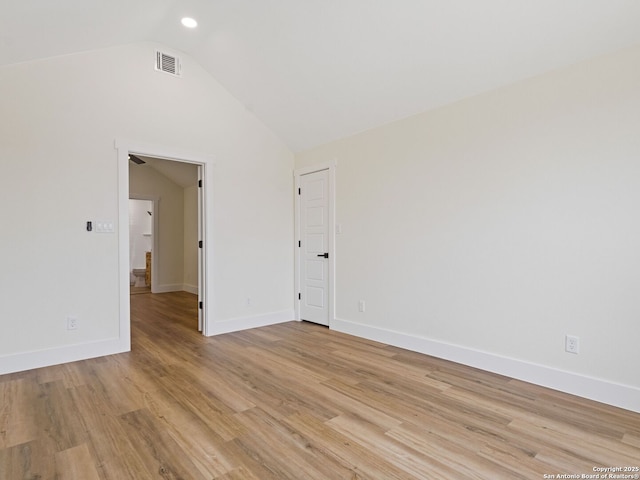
(189,22)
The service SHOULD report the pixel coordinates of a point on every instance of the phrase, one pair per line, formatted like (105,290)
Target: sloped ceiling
(318,70)
(180,173)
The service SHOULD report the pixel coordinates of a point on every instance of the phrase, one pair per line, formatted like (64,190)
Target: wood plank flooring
(291,401)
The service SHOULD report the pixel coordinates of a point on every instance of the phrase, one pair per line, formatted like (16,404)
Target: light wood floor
(139,290)
(291,401)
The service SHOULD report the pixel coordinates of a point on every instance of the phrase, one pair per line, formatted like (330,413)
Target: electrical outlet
(72,323)
(361,306)
(572,344)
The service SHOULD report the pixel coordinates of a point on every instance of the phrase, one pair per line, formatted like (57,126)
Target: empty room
(297,239)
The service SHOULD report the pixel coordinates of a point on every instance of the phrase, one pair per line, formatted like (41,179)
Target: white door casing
(315,255)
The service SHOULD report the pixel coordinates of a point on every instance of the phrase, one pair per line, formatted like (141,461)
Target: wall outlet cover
(572,344)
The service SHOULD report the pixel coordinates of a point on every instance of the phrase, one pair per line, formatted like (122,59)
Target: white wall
(487,230)
(59,118)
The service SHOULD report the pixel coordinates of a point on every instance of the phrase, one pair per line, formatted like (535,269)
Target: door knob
(325,255)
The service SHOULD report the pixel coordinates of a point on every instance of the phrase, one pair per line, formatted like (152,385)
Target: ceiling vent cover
(167,63)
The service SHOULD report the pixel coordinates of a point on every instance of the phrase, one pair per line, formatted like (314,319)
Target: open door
(201,275)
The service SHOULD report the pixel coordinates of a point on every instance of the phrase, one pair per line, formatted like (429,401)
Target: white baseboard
(190,288)
(44,358)
(618,395)
(245,323)
(54,356)
(178,287)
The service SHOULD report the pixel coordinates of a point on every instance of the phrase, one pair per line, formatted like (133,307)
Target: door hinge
(199,243)
(299,296)
(299,243)
(200,305)
(200,183)
(299,191)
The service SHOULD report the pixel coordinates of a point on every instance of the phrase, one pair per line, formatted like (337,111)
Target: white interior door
(201,276)
(314,247)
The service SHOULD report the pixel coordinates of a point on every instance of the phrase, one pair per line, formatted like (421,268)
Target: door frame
(155,200)
(297,173)
(207,164)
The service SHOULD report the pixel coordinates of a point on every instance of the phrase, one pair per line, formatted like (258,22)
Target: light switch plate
(103,226)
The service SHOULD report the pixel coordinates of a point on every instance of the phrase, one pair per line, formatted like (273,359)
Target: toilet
(140,274)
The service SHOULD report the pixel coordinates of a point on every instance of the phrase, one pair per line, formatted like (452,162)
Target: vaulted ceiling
(318,70)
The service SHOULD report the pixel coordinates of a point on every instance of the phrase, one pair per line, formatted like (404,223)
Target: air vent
(167,63)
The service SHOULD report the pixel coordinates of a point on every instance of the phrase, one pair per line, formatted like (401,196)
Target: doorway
(315,251)
(172,263)
(141,220)
(173,161)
